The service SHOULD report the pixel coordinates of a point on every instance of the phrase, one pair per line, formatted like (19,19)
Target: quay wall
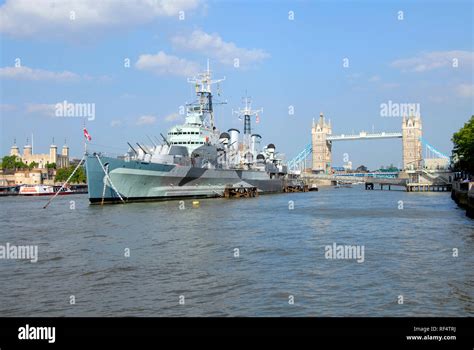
(463,194)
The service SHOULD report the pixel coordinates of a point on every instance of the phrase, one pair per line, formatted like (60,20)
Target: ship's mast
(203,83)
(247,112)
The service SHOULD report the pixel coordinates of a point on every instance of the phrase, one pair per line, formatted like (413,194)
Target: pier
(410,181)
(293,189)
(242,190)
(416,187)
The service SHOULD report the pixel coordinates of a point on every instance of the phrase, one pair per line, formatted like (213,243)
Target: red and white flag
(86,135)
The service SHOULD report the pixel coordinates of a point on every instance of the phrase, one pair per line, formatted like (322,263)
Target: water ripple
(191,253)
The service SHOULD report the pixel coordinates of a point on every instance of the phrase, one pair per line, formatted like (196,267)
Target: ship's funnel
(271,151)
(234,139)
(255,143)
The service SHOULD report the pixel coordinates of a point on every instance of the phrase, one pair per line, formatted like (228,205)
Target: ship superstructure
(193,159)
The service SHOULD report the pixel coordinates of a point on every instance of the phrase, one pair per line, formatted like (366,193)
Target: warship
(193,160)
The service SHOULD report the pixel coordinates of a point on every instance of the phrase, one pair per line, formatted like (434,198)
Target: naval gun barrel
(165,139)
(133,149)
(144,151)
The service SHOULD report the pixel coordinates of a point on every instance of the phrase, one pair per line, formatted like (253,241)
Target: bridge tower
(411,142)
(322,153)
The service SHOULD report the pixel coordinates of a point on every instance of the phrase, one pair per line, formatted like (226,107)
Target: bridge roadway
(364,135)
(349,179)
(431,183)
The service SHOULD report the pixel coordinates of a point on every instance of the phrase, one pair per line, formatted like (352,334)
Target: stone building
(61,160)
(321,147)
(411,143)
(28,177)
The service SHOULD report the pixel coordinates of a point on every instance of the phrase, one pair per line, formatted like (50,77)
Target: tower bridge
(364,135)
(412,146)
(430,170)
(322,140)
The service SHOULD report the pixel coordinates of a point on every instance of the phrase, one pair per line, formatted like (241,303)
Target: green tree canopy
(362,169)
(33,165)
(463,151)
(13,163)
(64,173)
(389,168)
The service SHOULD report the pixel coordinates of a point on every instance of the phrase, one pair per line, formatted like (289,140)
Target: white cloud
(172,117)
(146,120)
(212,45)
(427,61)
(36,17)
(354,77)
(48,110)
(99,78)
(465,90)
(390,85)
(115,123)
(34,74)
(161,64)
(26,73)
(374,79)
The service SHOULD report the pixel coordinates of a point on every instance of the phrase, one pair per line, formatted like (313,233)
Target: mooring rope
(64,184)
(108,178)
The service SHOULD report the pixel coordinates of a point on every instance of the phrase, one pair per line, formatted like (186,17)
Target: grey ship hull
(140,181)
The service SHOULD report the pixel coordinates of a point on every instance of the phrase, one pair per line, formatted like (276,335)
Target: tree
(33,165)
(388,169)
(51,166)
(463,151)
(392,168)
(13,163)
(362,169)
(8,162)
(63,174)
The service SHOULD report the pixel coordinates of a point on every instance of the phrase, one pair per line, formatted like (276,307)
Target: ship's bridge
(191,136)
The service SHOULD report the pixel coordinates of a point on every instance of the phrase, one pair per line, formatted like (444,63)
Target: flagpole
(85,142)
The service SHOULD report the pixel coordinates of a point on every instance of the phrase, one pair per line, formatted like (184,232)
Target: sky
(130,60)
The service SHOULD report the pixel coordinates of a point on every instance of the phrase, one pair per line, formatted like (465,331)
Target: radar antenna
(203,83)
(247,112)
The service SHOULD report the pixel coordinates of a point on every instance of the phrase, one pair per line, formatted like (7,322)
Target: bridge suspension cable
(299,162)
(430,148)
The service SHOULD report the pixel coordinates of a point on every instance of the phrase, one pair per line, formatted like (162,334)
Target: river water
(263,256)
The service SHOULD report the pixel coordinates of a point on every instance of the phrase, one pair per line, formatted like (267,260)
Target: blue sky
(283,63)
